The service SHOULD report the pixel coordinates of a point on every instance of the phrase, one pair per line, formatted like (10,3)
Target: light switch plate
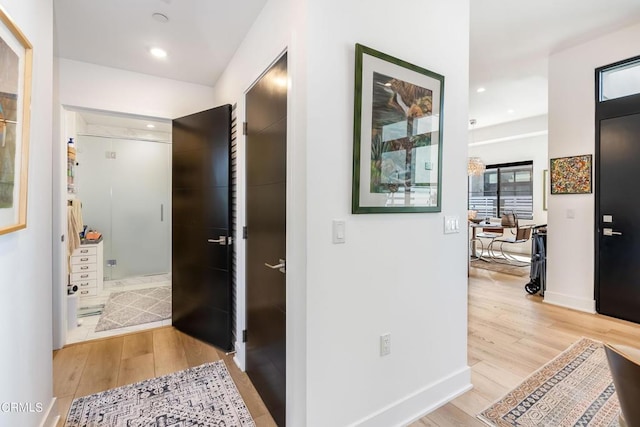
(339,231)
(451,224)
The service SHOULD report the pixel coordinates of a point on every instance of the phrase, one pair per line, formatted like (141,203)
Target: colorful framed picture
(397,135)
(571,175)
(15,99)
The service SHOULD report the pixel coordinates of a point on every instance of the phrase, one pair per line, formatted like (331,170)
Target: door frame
(241,200)
(604,110)
(64,127)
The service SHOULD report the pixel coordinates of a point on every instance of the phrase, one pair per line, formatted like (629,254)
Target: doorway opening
(118,188)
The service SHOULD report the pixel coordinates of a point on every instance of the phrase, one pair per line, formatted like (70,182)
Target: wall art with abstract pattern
(571,175)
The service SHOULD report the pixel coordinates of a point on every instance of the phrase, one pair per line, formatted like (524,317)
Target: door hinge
(244,128)
(62,238)
(244,232)
(244,335)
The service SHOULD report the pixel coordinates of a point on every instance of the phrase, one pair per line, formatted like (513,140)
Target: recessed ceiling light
(150,126)
(158,53)
(160,17)
(510,111)
(481,89)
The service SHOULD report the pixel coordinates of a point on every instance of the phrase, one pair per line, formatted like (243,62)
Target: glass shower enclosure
(125,186)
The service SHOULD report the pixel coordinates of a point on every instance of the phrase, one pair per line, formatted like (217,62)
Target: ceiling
(510,42)
(200,36)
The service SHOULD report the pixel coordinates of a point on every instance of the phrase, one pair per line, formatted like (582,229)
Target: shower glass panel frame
(125,189)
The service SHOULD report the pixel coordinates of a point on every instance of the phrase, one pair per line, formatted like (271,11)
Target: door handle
(610,232)
(282,266)
(223,240)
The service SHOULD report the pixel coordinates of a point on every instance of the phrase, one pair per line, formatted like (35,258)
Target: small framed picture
(571,175)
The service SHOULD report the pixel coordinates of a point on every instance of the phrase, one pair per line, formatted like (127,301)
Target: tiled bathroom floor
(86,330)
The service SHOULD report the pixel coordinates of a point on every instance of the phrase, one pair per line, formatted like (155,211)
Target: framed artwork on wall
(15,99)
(571,175)
(397,135)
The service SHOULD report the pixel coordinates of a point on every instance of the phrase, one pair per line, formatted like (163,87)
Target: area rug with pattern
(129,308)
(204,396)
(574,389)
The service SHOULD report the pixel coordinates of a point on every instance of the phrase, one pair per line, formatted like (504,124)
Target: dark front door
(618,208)
(266,106)
(201,256)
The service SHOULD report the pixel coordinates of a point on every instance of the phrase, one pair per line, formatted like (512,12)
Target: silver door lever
(610,232)
(223,240)
(281,267)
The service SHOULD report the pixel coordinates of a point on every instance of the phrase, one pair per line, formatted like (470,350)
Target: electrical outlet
(385,345)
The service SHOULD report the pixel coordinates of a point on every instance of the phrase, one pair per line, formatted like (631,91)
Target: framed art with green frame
(397,135)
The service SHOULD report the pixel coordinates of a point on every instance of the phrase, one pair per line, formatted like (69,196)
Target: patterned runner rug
(204,396)
(574,389)
(128,308)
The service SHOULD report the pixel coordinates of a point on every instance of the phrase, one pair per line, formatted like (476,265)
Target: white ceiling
(510,41)
(200,37)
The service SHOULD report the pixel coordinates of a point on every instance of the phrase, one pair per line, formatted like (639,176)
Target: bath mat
(204,396)
(129,308)
(574,389)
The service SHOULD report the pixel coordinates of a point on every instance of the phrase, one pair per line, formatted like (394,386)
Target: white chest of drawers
(87,269)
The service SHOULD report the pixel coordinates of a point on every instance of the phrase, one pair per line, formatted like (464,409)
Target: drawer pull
(86,267)
(84,276)
(84,292)
(84,284)
(84,259)
(84,251)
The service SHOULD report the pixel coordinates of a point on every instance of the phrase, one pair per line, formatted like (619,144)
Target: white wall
(25,256)
(570,279)
(110,89)
(396,273)
(517,141)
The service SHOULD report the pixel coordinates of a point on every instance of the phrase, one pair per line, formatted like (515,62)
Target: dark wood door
(618,208)
(266,106)
(201,255)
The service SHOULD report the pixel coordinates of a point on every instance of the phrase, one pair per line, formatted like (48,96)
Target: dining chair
(624,363)
(519,234)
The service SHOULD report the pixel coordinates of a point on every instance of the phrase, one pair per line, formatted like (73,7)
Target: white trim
(52,415)
(509,138)
(569,301)
(239,357)
(421,402)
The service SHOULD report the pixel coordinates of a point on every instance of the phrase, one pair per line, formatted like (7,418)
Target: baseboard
(52,415)
(568,301)
(418,404)
(239,357)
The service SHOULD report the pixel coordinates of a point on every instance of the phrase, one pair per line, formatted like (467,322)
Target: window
(620,80)
(503,188)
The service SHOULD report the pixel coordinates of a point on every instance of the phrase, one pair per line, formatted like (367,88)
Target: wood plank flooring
(94,366)
(511,334)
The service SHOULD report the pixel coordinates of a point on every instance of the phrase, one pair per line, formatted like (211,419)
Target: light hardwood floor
(511,334)
(94,366)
